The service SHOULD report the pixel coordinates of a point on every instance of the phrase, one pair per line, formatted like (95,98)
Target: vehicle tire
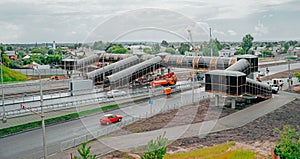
(120,119)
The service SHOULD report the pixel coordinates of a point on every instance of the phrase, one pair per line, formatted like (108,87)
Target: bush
(85,152)
(156,149)
(297,74)
(288,146)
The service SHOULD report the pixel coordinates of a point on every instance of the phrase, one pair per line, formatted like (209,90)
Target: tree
(9,48)
(5,60)
(147,50)
(2,49)
(183,48)
(289,143)
(156,149)
(50,52)
(164,43)
(239,52)
(266,53)
(99,45)
(21,54)
(217,43)
(85,152)
(170,50)
(297,75)
(118,49)
(247,43)
(286,46)
(156,48)
(216,46)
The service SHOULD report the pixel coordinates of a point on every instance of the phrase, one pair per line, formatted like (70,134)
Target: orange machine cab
(167,91)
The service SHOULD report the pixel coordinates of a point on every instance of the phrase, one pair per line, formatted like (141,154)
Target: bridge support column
(233,102)
(217,100)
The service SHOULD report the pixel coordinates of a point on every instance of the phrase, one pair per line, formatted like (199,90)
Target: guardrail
(18,89)
(136,95)
(117,126)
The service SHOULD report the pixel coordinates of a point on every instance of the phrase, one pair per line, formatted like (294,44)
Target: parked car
(110,118)
(115,93)
(275,88)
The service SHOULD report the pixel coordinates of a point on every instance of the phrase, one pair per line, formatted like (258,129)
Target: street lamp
(3,106)
(290,76)
(103,73)
(42,114)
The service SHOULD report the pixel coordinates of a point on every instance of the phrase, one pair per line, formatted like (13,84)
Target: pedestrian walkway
(235,120)
(19,120)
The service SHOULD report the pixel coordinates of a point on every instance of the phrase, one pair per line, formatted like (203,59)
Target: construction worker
(258,77)
(267,70)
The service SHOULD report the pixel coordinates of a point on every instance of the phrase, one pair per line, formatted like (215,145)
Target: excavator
(166,80)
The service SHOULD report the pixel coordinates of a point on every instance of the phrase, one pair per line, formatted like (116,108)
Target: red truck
(110,118)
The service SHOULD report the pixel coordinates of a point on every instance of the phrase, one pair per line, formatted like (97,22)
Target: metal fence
(128,120)
(32,72)
(138,94)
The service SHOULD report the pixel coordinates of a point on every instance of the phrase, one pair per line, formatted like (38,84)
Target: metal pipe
(103,74)
(42,115)
(289,78)
(210,41)
(3,106)
(193,90)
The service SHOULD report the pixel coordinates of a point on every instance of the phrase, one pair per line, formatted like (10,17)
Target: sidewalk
(235,120)
(19,120)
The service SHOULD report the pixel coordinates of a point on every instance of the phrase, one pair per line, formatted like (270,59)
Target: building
(53,45)
(226,53)
(296,51)
(12,55)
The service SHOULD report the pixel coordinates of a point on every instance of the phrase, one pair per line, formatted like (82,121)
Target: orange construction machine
(169,80)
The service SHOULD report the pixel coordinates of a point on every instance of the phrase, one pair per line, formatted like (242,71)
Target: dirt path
(259,134)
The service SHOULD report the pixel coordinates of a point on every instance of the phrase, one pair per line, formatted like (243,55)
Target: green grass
(10,76)
(28,126)
(219,151)
(109,107)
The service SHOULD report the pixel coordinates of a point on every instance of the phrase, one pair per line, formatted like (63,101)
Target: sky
(30,21)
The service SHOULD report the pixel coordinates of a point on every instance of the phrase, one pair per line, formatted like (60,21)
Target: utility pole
(103,74)
(210,41)
(193,83)
(3,106)
(41,115)
(290,77)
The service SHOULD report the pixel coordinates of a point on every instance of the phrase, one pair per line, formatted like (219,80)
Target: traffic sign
(150,101)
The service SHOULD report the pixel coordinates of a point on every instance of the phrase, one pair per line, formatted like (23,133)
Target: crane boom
(192,42)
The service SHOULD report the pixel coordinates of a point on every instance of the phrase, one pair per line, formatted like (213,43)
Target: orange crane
(194,49)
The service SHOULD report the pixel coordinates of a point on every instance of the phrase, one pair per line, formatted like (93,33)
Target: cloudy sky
(30,21)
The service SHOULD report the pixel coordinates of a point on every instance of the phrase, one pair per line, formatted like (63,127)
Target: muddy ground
(259,135)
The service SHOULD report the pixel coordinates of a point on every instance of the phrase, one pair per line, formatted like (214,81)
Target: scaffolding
(97,75)
(128,75)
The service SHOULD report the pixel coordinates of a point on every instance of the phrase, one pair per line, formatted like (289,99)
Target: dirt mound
(259,133)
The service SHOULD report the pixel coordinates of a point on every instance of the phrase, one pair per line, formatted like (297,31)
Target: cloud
(260,29)
(218,32)
(36,19)
(9,32)
(231,32)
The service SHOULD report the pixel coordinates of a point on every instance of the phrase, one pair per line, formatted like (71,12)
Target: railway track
(31,93)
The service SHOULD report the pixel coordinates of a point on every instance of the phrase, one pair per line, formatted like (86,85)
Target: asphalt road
(29,144)
(280,68)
